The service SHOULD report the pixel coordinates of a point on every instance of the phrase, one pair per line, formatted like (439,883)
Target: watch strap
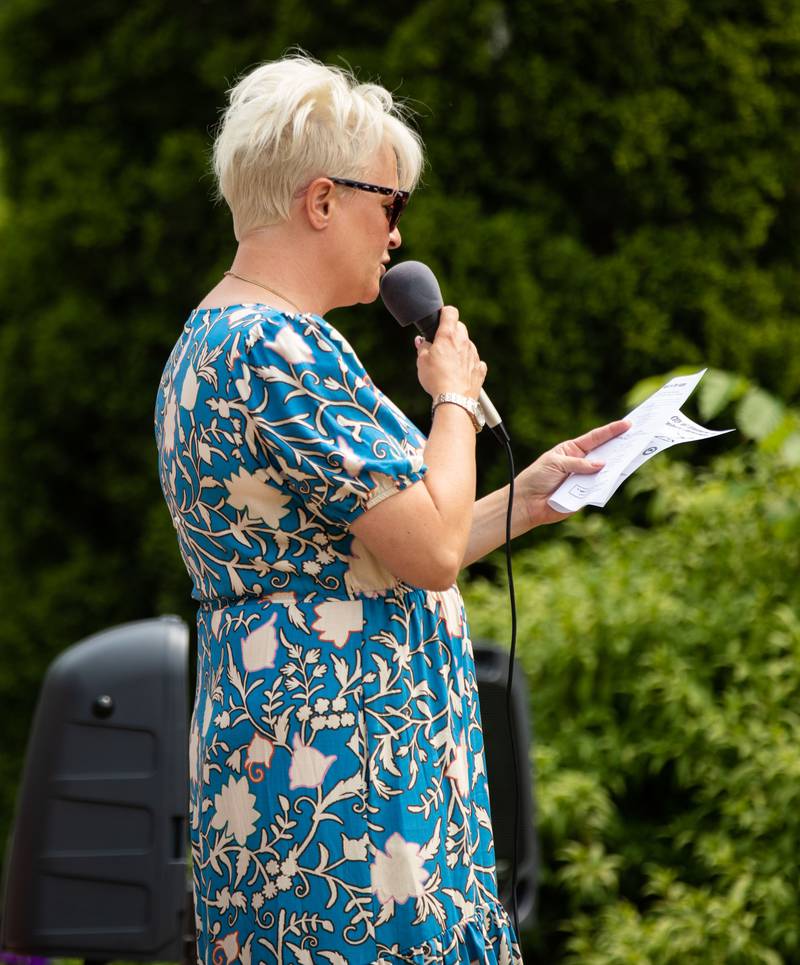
(472,406)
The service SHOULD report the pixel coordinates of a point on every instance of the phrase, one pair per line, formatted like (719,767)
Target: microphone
(411,293)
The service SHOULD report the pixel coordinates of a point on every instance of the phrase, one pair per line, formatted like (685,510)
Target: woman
(339,806)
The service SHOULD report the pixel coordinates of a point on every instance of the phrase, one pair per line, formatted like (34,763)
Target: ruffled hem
(485,939)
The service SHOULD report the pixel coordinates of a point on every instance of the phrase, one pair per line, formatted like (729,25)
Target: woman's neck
(285,266)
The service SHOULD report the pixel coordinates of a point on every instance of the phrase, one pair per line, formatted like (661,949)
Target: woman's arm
(421,533)
(531,490)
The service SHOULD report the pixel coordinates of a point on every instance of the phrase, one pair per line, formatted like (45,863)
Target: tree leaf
(717,389)
(759,413)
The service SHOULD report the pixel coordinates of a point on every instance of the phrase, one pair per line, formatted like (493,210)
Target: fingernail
(598,465)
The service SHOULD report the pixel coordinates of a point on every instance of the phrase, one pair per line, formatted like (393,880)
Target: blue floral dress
(338,801)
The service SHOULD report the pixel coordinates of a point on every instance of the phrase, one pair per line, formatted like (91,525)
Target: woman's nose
(395,238)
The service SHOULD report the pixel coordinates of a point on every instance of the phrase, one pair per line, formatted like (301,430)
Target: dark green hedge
(612,190)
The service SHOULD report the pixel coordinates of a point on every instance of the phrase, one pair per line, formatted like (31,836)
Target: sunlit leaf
(759,413)
(716,390)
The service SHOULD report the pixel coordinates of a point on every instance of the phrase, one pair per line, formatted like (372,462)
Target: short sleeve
(330,435)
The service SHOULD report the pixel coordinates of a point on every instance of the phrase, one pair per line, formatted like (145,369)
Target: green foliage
(664,669)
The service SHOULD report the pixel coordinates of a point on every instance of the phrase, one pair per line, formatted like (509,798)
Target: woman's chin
(371,292)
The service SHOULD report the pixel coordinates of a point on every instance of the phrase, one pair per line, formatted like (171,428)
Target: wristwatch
(471,405)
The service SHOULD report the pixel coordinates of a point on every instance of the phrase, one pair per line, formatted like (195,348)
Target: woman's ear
(320,201)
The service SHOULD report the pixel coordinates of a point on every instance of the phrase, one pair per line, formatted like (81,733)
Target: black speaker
(96,862)
(491,666)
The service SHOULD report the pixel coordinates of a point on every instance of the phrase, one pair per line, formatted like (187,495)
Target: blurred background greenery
(613,191)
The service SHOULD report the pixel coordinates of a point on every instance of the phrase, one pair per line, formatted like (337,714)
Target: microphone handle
(427,327)
(493,419)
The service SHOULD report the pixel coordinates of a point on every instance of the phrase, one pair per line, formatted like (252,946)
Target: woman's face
(363,238)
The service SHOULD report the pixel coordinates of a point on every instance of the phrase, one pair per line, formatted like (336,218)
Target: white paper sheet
(656,425)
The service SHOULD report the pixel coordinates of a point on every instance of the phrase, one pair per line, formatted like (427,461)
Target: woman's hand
(545,475)
(451,362)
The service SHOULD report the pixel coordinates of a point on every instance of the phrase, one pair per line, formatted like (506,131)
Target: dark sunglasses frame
(399,198)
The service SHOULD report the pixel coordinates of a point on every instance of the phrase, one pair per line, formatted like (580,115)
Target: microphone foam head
(410,292)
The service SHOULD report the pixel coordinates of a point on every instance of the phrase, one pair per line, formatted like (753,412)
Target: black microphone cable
(505,440)
(510,681)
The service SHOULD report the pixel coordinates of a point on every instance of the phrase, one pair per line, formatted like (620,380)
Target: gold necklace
(259,285)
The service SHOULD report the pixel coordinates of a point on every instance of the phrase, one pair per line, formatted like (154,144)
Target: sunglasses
(399,198)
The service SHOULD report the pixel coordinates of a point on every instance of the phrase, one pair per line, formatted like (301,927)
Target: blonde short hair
(295,119)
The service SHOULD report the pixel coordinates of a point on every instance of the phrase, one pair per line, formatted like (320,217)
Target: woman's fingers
(596,437)
(584,466)
(449,320)
(451,327)
(451,362)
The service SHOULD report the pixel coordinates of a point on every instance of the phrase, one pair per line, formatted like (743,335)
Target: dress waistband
(290,596)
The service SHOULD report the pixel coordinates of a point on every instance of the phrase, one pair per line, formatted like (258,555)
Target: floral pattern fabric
(338,798)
